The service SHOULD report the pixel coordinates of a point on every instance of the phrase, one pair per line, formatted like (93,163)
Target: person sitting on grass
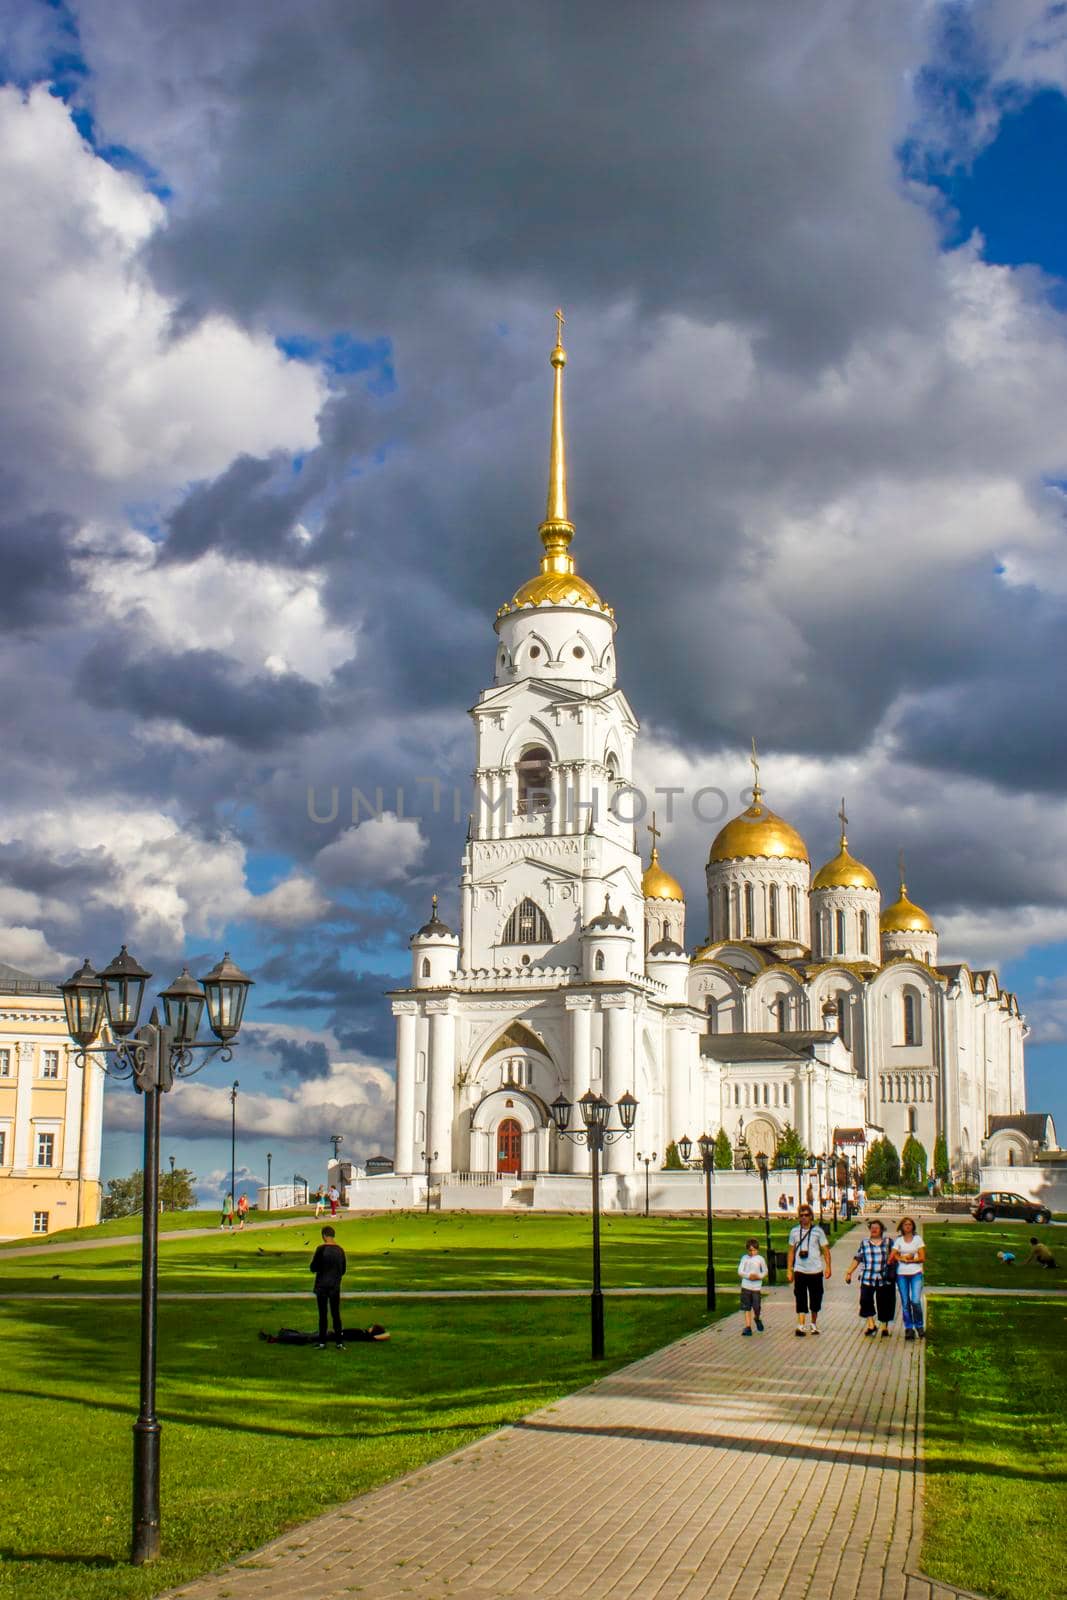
(752,1269)
(1040,1255)
(329,1264)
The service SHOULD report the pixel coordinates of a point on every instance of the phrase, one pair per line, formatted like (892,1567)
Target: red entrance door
(509,1146)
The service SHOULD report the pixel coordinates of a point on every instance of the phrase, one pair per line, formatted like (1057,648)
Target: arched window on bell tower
(533,771)
(527,925)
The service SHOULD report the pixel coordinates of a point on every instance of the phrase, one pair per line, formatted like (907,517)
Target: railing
(482,1180)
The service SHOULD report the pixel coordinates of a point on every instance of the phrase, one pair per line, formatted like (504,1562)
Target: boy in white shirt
(752,1270)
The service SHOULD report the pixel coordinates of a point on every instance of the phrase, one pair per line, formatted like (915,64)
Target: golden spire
(903,885)
(844,824)
(757,792)
(557,530)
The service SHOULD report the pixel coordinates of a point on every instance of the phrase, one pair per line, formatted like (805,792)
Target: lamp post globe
(183,1006)
(83,1002)
(226,990)
(685,1148)
(123,981)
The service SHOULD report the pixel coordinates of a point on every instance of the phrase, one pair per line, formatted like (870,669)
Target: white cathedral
(808,1004)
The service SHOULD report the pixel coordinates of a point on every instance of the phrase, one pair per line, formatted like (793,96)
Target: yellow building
(50,1114)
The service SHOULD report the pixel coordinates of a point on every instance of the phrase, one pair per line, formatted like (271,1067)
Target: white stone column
(580,1007)
(681,1061)
(442,1070)
(404,1152)
(72,1115)
(618,1072)
(22,1156)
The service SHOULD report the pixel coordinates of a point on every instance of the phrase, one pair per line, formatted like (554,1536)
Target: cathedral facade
(809,1004)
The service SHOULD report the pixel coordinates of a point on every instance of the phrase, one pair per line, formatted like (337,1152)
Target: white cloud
(267,618)
(29,950)
(383,849)
(102,399)
(290,904)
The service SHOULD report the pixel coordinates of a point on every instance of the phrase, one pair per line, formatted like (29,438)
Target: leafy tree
(882,1170)
(913,1163)
(125,1196)
(672,1160)
(790,1146)
(941,1166)
(724,1151)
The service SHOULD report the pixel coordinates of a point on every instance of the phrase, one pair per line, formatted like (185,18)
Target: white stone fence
(1047,1185)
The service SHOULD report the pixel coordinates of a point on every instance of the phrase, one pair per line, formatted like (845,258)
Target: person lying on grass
(1040,1255)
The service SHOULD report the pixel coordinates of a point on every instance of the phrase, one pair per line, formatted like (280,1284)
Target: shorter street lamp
(706,1146)
(233,1148)
(269,1194)
(596,1134)
(428,1157)
(648,1160)
(762,1165)
(833,1188)
(172,1191)
(153,1056)
(820,1162)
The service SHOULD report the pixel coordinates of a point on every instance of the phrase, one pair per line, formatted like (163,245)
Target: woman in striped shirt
(877,1291)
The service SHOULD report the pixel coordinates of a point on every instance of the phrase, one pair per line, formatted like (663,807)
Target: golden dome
(758,832)
(844,872)
(557,589)
(905,917)
(658,884)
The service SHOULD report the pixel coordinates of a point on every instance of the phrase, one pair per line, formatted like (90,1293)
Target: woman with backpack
(878,1294)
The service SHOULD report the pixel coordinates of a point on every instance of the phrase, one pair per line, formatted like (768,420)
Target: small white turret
(606,945)
(434,953)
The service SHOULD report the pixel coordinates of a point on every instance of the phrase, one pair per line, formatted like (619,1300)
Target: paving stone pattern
(747,1469)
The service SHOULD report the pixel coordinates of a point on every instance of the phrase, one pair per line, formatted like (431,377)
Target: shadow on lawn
(25,1558)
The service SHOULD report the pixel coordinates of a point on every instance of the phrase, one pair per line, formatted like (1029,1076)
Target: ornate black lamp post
(833,1189)
(428,1157)
(648,1160)
(706,1146)
(233,1149)
(596,1134)
(820,1162)
(153,1056)
(762,1167)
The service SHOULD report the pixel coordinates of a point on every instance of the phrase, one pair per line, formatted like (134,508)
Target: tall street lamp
(428,1157)
(173,1207)
(233,1148)
(595,1133)
(337,1140)
(832,1174)
(706,1146)
(269,1193)
(153,1056)
(763,1166)
(820,1162)
(648,1160)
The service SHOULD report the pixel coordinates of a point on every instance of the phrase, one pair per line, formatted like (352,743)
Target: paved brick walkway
(739,1468)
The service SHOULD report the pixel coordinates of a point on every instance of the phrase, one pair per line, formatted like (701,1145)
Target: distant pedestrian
(878,1293)
(807,1268)
(226,1220)
(320,1201)
(861,1199)
(809,1195)
(783,1201)
(752,1269)
(335,1200)
(1040,1255)
(242,1212)
(908,1255)
(329,1264)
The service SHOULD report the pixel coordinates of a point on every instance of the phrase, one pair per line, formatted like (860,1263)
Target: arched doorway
(761,1137)
(509,1146)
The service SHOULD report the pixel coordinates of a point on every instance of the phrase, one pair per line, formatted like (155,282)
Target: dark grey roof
(1035,1124)
(608,918)
(763,1046)
(435,928)
(12,981)
(666,947)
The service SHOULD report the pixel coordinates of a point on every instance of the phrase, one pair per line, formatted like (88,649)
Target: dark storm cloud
(301,1059)
(35,561)
(206,692)
(354,1002)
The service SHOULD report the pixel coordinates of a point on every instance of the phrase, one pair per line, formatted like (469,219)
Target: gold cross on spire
(754,758)
(903,885)
(844,823)
(560,320)
(433,902)
(656,833)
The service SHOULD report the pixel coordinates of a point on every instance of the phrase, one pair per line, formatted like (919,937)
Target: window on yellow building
(5,1063)
(40,1222)
(46,1149)
(3,1147)
(50,1064)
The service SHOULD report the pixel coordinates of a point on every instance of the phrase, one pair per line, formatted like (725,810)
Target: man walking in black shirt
(329,1266)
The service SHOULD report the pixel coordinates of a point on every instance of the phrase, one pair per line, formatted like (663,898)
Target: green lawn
(996,1447)
(258,1437)
(411,1251)
(169,1222)
(966,1253)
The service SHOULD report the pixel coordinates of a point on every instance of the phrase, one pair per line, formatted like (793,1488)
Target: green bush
(941,1166)
(790,1146)
(913,1164)
(672,1160)
(724,1152)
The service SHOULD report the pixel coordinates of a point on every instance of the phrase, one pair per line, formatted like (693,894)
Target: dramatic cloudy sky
(278,282)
